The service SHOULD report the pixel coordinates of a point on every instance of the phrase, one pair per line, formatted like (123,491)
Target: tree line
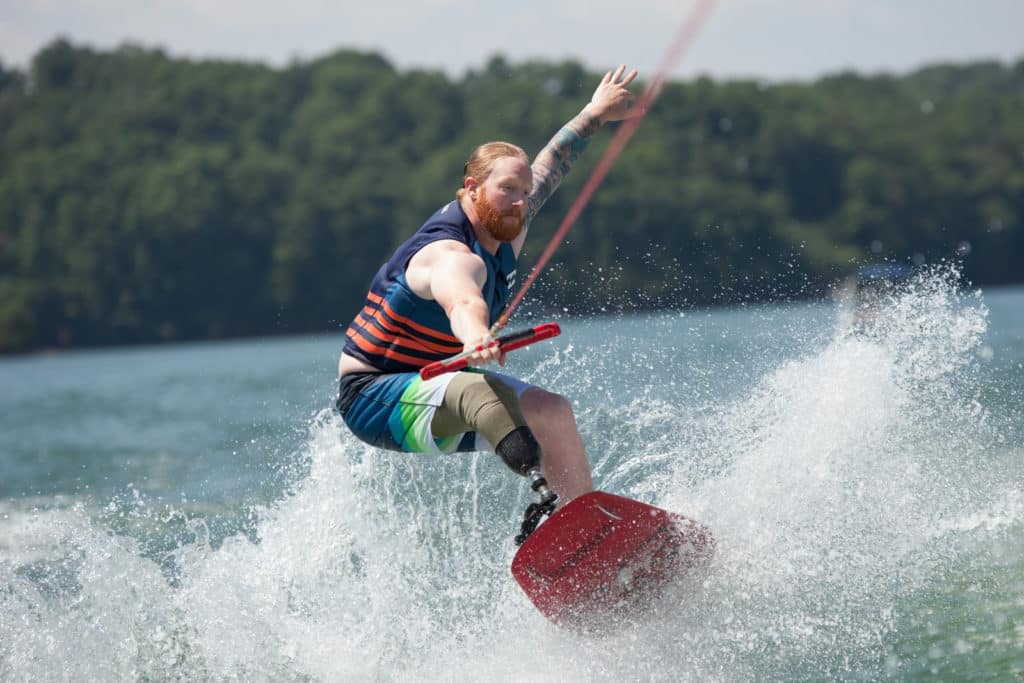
(145,197)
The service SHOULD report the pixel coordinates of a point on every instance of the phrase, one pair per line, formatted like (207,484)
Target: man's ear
(471,186)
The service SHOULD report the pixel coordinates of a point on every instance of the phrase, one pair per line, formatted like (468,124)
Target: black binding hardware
(536,511)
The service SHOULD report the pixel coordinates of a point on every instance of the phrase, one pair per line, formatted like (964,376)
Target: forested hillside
(145,197)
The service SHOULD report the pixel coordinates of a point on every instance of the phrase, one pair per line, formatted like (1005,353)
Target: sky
(764,39)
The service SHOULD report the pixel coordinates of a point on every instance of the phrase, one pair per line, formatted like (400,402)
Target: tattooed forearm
(557,157)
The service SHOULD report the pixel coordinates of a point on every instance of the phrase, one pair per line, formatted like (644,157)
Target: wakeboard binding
(535,512)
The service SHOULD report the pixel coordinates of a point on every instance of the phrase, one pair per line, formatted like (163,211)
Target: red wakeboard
(604,555)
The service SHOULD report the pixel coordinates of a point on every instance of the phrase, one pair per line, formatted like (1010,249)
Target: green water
(194,512)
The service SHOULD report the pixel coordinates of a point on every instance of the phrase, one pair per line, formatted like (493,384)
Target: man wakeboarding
(436,300)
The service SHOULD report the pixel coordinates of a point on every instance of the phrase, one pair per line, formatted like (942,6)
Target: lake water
(196,511)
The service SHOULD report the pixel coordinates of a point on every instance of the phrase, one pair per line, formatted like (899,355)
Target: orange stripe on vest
(386,351)
(381,317)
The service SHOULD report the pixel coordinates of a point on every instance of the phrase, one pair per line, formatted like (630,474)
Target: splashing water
(849,481)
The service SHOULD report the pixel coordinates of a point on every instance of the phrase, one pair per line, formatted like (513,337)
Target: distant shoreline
(340,332)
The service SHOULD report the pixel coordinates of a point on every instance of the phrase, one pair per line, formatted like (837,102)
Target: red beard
(502,226)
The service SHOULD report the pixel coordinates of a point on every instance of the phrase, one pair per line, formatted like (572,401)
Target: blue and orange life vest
(397,331)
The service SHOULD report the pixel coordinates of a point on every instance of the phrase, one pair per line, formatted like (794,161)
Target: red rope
(687,33)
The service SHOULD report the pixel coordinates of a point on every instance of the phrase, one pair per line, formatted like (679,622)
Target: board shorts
(395,411)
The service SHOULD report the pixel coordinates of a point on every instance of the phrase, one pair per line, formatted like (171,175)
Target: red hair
(481,161)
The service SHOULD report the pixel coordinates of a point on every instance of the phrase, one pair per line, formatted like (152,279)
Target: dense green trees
(144,197)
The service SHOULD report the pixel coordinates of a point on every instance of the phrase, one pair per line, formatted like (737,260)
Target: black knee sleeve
(520,450)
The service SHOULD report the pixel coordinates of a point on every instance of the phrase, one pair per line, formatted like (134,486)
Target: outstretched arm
(611,101)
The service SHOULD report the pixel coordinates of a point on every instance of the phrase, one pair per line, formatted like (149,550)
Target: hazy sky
(770,39)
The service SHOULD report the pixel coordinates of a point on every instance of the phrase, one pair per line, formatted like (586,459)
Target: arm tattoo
(557,157)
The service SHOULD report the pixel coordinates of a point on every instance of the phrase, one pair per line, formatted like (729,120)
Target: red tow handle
(506,342)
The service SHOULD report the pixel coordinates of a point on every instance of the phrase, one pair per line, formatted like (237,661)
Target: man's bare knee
(545,407)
